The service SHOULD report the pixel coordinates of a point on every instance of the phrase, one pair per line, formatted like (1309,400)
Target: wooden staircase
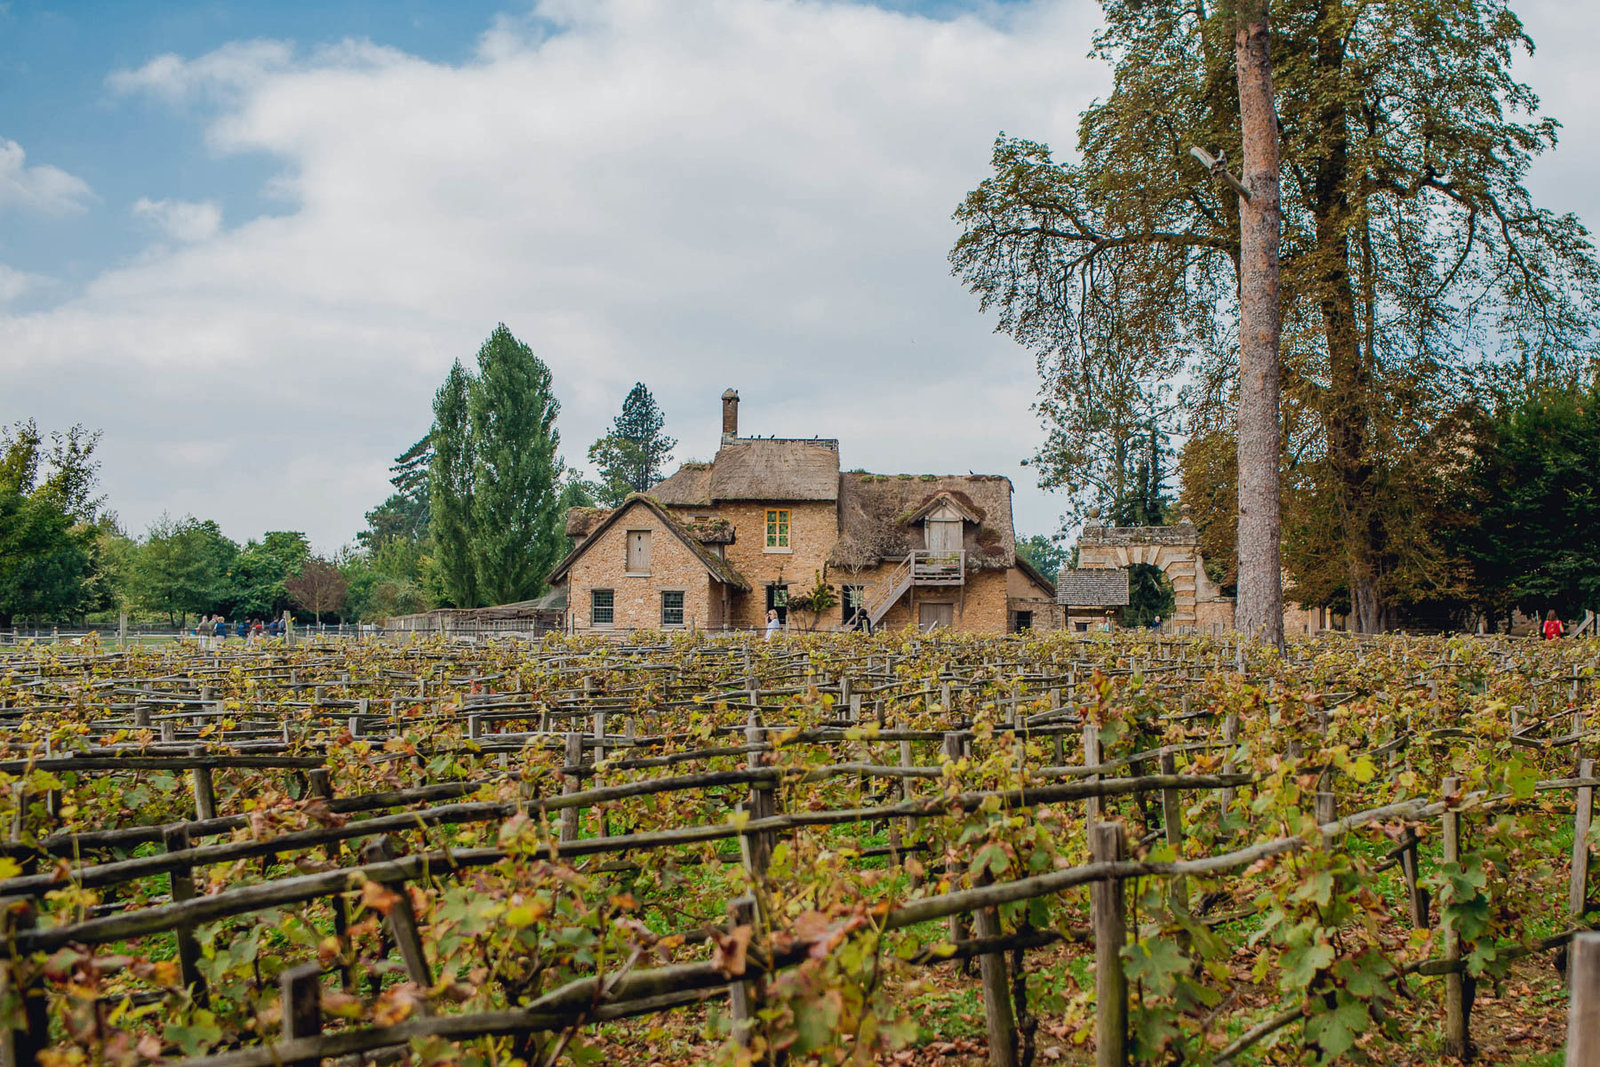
(918,568)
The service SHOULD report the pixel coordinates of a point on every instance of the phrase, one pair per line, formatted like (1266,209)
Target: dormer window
(944,518)
(942,529)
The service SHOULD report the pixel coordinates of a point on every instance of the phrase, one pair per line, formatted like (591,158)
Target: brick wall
(813,529)
(637,599)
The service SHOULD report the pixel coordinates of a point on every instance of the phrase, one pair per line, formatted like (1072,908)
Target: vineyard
(1126,849)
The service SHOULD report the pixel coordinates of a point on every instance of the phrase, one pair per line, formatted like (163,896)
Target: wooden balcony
(939,568)
(918,568)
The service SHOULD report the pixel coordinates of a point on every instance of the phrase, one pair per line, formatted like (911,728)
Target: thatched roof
(582,521)
(878,516)
(714,564)
(757,468)
(690,487)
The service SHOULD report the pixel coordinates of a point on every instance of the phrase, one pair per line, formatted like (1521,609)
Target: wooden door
(638,551)
(935,616)
(944,535)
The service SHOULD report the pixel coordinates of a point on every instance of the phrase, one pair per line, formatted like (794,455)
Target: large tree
(1533,508)
(257,575)
(631,457)
(1260,604)
(451,480)
(48,535)
(404,515)
(183,567)
(495,479)
(1414,259)
(319,588)
(517,531)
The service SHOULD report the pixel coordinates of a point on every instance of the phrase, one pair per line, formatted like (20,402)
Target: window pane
(601,607)
(672,607)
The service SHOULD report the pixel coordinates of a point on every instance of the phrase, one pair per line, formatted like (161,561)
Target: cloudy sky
(246,240)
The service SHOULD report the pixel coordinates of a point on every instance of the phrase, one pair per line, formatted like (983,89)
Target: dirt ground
(1522,1023)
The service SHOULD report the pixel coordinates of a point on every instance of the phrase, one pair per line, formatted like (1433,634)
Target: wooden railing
(918,568)
(939,568)
(882,596)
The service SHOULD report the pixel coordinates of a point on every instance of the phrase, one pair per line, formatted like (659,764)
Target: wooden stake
(205,796)
(1578,891)
(402,920)
(1091,758)
(574,758)
(1172,817)
(1457,1025)
(743,997)
(301,989)
(1110,931)
(996,982)
(1583,1007)
(1416,896)
(176,839)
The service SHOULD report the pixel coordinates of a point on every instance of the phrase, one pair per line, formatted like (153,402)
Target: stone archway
(1175,551)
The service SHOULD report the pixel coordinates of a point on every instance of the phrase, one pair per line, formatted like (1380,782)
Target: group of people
(213,632)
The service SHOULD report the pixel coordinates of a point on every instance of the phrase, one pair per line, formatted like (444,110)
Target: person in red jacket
(1552,626)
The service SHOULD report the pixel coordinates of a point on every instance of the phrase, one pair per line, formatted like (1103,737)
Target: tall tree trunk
(1344,413)
(1259,611)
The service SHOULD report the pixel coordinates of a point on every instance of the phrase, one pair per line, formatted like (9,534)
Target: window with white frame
(602,607)
(672,607)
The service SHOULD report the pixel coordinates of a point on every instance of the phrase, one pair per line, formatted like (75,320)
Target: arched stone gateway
(1175,550)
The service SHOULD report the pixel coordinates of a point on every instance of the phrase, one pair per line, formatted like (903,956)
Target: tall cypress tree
(516,533)
(450,487)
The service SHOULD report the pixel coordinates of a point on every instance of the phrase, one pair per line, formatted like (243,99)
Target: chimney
(730,415)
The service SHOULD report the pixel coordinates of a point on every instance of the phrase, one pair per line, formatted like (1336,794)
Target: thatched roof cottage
(718,544)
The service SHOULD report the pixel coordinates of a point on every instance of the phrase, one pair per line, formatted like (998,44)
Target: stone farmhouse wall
(637,599)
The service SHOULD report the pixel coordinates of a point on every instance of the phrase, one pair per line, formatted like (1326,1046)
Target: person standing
(1552,626)
(773,625)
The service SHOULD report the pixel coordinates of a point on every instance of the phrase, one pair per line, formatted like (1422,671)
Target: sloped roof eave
(715,565)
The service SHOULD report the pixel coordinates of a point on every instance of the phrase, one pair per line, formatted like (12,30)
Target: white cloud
(695,193)
(233,67)
(41,188)
(182,220)
(14,283)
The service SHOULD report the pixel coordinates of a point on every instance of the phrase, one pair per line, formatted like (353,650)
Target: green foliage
(44,562)
(385,581)
(1139,494)
(183,568)
(451,481)
(1534,513)
(1403,130)
(1150,596)
(816,601)
(1047,555)
(517,524)
(495,480)
(50,544)
(404,515)
(256,578)
(630,458)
